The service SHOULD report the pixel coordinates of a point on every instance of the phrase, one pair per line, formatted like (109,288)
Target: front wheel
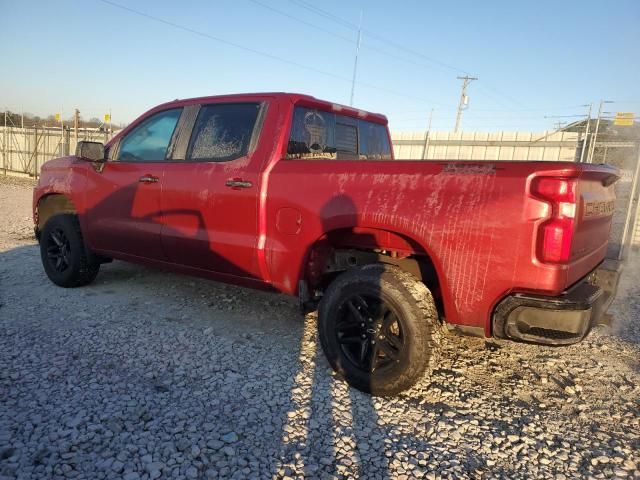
(65,258)
(379,329)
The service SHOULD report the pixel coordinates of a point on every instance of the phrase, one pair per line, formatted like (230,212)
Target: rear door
(210,191)
(124,197)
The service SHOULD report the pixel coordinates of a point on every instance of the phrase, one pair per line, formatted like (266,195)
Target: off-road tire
(81,267)
(416,312)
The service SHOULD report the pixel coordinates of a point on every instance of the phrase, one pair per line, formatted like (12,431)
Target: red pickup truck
(301,196)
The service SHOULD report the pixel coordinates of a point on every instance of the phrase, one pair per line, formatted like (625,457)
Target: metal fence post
(628,223)
(67,139)
(4,145)
(35,152)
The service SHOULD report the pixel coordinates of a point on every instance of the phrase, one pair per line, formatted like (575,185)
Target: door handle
(148,179)
(238,183)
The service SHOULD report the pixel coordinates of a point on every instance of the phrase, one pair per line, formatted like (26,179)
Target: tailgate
(595,205)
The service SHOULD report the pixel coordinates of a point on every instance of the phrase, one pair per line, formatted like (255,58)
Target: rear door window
(148,142)
(312,134)
(316,134)
(223,132)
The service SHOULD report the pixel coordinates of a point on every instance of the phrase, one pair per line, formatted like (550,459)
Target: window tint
(346,137)
(374,141)
(223,132)
(148,141)
(312,134)
(318,134)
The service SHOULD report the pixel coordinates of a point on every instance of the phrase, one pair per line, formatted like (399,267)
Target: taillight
(556,234)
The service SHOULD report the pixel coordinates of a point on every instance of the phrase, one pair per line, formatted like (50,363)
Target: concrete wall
(487,146)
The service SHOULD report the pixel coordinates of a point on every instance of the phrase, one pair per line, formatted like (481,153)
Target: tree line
(14,119)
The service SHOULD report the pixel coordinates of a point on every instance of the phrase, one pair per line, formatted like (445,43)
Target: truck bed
(477,222)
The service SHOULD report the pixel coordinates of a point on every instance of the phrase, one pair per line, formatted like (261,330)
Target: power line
(491,117)
(371,34)
(352,26)
(545,109)
(324,13)
(297,19)
(344,38)
(488,88)
(259,52)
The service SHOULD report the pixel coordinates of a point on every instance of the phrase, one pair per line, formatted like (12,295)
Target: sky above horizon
(533,59)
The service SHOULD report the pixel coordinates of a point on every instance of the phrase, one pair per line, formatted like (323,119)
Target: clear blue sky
(533,58)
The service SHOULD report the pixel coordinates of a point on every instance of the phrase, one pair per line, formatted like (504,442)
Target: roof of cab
(295,98)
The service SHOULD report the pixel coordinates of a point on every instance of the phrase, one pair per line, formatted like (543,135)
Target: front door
(124,198)
(210,199)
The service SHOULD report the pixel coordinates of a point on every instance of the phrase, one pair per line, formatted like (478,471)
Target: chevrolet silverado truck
(300,196)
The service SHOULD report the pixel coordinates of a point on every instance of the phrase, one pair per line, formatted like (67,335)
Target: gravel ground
(146,375)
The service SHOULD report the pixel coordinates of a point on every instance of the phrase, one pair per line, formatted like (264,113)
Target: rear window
(223,132)
(316,134)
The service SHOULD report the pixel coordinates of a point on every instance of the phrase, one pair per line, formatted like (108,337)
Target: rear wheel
(379,329)
(65,258)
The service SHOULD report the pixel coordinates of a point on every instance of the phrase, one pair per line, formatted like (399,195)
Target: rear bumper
(560,320)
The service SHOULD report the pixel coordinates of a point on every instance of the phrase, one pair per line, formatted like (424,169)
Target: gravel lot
(146,375)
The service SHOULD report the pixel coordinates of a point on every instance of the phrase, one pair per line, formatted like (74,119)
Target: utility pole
(592,148)
(425,147)
(586,133)
(464,99)
(355,63)
(76,121)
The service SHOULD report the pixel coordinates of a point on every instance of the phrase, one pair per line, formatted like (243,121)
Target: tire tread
(427,331)
(88,268)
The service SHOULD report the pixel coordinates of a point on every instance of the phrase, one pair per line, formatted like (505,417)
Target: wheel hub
(369,332)
(58,250)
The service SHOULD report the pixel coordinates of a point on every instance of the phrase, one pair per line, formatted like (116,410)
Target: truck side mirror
(92,151)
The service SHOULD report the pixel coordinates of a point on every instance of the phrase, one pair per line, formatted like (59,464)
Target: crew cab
(301,196)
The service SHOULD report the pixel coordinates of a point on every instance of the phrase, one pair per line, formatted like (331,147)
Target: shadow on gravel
(321,426)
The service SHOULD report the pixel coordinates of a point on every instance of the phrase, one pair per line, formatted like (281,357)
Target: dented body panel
(478,224)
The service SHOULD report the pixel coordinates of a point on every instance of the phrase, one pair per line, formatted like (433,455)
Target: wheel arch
(342,248)
(51,204)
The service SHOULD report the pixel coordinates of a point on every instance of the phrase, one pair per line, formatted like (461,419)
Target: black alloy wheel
(379,328)
(65,257)
(369,332)
(58,250)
